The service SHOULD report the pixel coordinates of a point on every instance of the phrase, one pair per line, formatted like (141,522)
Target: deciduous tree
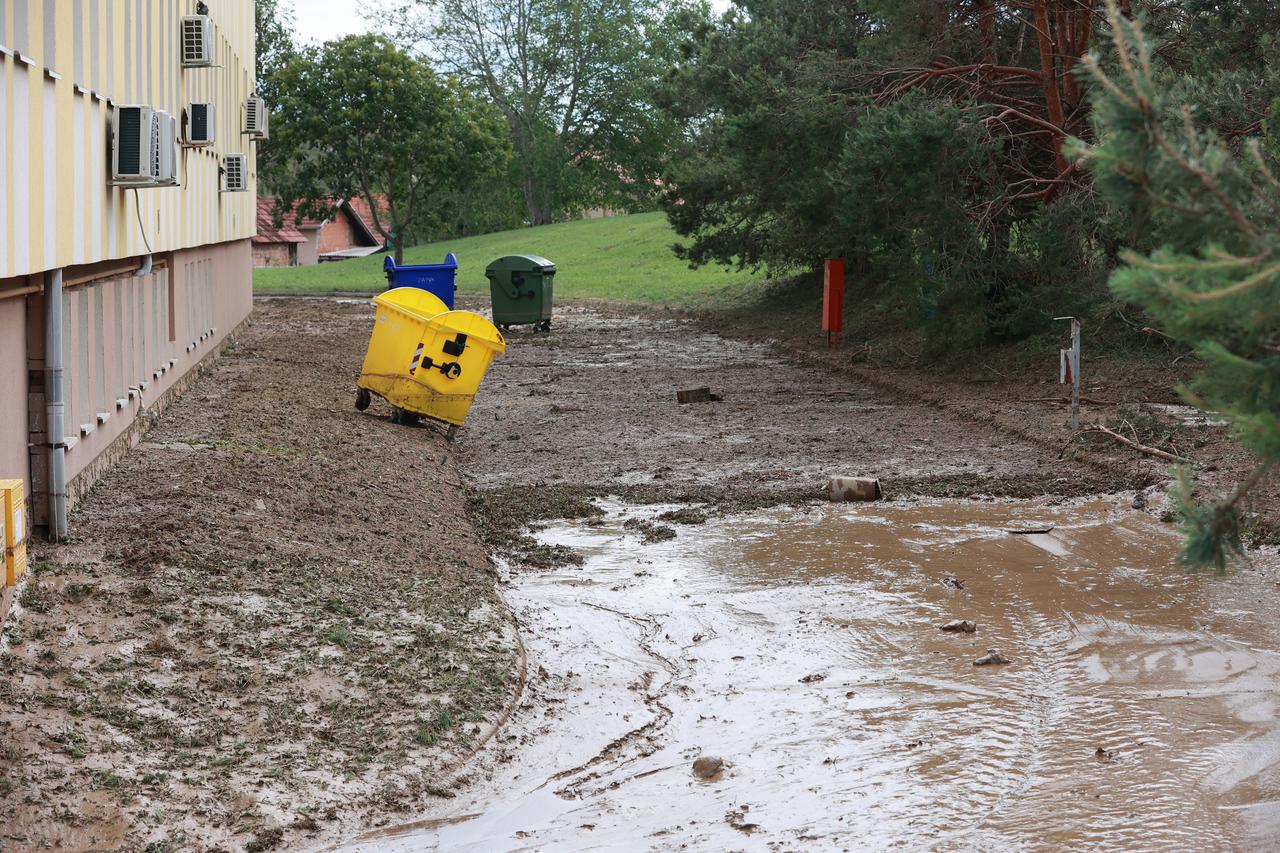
(573,79)
(361,117)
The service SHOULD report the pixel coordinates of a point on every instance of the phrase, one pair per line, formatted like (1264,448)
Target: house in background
(300,241)
(127,208)
(278,247)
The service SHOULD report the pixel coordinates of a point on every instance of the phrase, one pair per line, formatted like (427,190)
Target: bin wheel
(452,434)
(363,399)
(544,326)
(403,417)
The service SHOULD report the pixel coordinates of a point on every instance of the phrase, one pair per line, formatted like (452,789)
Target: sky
(320,20)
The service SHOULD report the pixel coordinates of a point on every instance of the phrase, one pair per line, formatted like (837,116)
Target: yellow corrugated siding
(53,129)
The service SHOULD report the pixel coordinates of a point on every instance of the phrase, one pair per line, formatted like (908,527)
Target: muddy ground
(274,620)
(278,624)
(591,410)
(1130,378)
(699,579)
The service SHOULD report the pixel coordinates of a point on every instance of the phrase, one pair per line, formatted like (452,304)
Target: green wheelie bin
(521,289)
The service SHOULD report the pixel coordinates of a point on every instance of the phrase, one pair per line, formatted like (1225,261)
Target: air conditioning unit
(235,169)
(255,117)
(200,124)
(197,41)
(165,158)
(133,134)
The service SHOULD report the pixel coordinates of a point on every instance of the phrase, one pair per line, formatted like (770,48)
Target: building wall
(162,325)
(337,235)
(130,341)
(61,64)
(272,254)
(309,252)
(13,389)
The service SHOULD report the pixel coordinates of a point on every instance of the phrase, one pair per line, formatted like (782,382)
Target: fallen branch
(1141,448)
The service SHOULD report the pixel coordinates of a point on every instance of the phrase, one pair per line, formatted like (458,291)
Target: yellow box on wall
(14,505)
(15,564)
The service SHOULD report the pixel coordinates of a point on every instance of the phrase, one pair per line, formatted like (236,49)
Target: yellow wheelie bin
(425,360)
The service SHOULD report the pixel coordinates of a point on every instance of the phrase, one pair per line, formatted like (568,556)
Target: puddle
(1138,709)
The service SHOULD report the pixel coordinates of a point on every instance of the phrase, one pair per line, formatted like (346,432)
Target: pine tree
(1207,214)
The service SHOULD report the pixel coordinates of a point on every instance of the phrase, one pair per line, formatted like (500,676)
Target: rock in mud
(992,656)
(708,766)
(959,626)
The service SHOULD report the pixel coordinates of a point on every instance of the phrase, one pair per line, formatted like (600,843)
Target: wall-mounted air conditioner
(197,41)
(133,135)
(165,158)
(200,124)
(235,168)
(255,117)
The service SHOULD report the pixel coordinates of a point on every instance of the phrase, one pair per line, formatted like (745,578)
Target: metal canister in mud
(854,489)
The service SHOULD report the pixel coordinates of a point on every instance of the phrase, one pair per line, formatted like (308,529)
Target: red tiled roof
(362,209)
(268,232)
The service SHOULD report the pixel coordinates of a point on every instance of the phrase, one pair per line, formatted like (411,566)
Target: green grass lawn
(622,257)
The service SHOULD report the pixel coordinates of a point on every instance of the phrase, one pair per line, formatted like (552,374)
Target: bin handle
(450,369)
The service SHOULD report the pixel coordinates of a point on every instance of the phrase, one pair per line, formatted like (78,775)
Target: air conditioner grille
(155,149)
(128,131)
(195,40)
(235,166)
(200,121)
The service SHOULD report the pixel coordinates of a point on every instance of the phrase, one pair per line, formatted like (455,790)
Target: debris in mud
(268,839)
(738,820)
(1104,754)
(854,489)
(992,656)
(696,395)
(1139,500)
(708,766)
(953,582)
(649,531)
(685,515)
(960,626)
(813,678)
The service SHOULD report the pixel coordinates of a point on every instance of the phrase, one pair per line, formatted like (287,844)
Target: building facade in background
(152,278)
(300,241)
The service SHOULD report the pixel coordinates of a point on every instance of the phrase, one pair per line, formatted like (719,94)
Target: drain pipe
(145,269)
(54,405)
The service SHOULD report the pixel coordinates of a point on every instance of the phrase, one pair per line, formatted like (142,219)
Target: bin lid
(412,300)
(473,326)
(520,263)
(450,263)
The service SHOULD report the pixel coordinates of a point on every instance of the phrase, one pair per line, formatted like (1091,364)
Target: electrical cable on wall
(137,208)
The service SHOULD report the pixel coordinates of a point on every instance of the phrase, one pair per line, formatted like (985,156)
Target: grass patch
(432,729)
(625,258)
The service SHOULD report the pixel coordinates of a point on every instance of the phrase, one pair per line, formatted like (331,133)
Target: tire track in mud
(647,733)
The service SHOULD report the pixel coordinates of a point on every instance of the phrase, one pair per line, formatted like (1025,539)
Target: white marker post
(1069,369)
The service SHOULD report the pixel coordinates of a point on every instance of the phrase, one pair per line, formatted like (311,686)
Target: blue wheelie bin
(436,279)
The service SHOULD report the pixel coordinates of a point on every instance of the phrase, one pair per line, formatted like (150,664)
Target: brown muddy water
(801,646)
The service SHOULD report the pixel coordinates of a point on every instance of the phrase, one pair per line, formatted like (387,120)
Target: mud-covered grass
(1129,382)
(274,620)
